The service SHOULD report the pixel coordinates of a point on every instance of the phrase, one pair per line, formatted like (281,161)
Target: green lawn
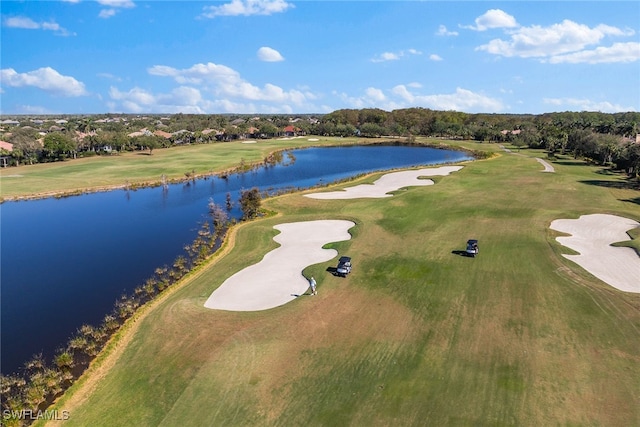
(416,335)
(140,168)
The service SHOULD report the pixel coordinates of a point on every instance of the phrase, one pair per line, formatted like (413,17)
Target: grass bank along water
(140,170)
(416,334)
(92,248)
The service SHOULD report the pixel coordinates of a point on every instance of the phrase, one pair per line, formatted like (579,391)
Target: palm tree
(150,287)
(110,323)
(36,363)
(64,360)
(78,343)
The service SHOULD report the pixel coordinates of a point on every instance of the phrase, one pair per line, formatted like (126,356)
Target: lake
(65,261)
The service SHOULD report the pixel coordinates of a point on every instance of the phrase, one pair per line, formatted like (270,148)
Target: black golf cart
(344,266)
(472,247)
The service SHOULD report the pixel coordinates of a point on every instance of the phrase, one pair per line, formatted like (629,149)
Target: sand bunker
(278,279)
(592,235)
(387,183)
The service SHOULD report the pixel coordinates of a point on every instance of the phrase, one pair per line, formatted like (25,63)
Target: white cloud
(124,4)
(21,22)
(394,56)
(186,100)
(557,39)
(386,56)
(109,76)
(462,100)
(33,109)
(199,74)
(113,6)
(46,79)
(268,54)
(493,18)
(374,94)
(247,8)
(435,57)
(442,31)
(27,23)
(401,97)
(618,52)
(219,89)
(587,105)
(180,100)
(224,81)
(107,13)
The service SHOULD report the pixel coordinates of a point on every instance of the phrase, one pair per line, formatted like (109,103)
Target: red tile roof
(6,145)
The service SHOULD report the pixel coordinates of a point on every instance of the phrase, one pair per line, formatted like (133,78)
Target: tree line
(35,387)
(607,138)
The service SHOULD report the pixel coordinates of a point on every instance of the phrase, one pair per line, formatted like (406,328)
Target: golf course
(416,334)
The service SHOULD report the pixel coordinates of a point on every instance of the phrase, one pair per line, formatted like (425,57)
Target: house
(4,160)
(252,132)
(6,146)
(141,132)
(162,134)
(82,135)
(292,131)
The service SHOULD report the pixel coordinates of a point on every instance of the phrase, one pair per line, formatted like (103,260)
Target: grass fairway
(139,168)
(416,335)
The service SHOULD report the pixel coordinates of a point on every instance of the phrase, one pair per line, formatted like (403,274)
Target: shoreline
(60,194)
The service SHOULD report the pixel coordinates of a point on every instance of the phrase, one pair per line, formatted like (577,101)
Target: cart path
(547,166)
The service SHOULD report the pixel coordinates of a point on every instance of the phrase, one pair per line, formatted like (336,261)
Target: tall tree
(58,146)
(250,201)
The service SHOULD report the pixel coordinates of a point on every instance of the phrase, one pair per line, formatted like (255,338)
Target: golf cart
(344,266)
(472,248)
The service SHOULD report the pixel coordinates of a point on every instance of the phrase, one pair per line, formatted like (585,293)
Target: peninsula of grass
(415,335)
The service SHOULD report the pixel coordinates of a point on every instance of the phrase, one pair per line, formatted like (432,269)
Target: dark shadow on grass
(606,171)
(332,270)
(628,184)
(635,200)
(569,162)
(461,253)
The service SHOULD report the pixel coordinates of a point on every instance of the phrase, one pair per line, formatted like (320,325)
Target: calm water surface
(66,261)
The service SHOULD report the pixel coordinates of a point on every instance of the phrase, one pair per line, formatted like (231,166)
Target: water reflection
(65,261)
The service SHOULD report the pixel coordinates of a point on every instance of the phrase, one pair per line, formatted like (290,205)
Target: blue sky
(287,57)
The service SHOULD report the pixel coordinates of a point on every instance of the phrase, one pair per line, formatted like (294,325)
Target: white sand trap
(547,166)
(249,142)
(313,139)
(592,235)
(278,279)
(387,183)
